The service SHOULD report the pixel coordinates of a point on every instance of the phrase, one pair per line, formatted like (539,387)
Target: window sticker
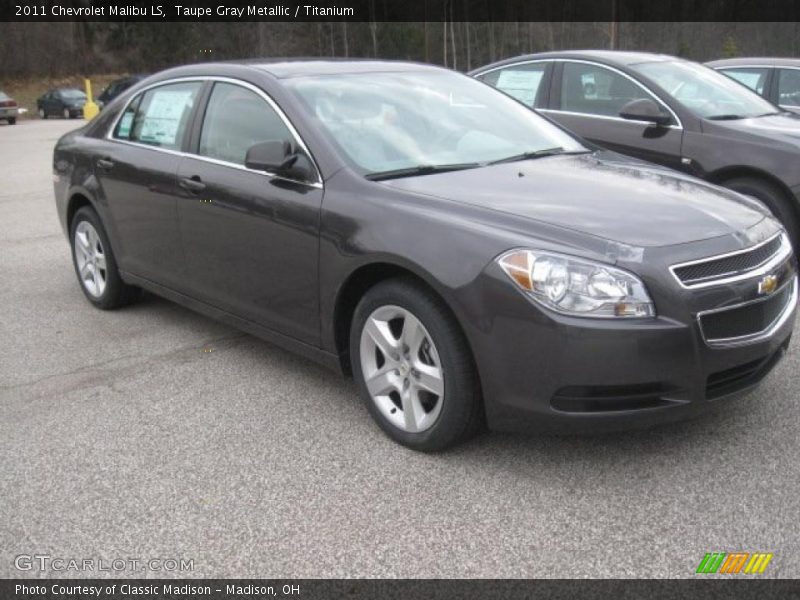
(521,85)
(163,116)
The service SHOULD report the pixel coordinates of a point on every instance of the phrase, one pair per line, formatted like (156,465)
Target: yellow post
(90,109)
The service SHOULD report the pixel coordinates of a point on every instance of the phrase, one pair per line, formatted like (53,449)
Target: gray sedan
(467,261)
(669,111)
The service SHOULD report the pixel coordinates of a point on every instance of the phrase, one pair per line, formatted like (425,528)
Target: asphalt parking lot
(153,432)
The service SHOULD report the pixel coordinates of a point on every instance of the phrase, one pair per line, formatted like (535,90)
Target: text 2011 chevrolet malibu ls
(464,258)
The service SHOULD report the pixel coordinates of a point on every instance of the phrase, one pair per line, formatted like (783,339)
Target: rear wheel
(95,265)
(413,367)
(12,120)
(775,200)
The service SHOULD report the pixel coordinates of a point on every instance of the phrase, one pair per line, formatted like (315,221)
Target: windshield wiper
(730,117)
(535,154)
(735,117)
(418,170)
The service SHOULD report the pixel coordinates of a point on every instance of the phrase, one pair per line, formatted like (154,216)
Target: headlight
(577,287)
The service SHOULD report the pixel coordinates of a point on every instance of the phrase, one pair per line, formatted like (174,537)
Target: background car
(8,108)
(63,102)
(776,79)
(463,257)
(116,87)
(669,111)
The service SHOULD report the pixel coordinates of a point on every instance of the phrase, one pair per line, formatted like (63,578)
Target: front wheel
(775,200)
(413,367)
(67,114)
(95,264)
(42,114)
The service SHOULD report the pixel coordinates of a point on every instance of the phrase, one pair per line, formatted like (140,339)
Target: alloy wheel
(90,258)
(402,369)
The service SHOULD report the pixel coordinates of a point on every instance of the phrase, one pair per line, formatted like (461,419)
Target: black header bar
(394,10)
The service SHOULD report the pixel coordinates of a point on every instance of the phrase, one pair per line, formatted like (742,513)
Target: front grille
(746,319)
(728,266)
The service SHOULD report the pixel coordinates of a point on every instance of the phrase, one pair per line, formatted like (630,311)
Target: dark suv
(669,111)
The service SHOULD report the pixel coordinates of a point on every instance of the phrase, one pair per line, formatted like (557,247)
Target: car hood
(598,194)
(783,127)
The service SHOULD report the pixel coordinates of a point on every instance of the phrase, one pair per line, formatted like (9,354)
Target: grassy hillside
(26,91)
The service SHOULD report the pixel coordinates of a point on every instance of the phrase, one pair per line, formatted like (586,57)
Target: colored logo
(768,284)
(734,562)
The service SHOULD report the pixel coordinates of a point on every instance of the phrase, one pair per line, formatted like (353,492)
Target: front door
(587,99)
(251,240)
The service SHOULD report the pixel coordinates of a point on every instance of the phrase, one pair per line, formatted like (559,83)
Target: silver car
(8,108)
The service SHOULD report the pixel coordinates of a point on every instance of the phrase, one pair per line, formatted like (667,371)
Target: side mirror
(645,109)
(280,158)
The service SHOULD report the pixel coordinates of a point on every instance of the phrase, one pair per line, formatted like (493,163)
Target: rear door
(49,103)
(136,170)
(251,239)
(587,97)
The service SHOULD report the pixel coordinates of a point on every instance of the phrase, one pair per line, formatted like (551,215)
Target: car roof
(282,68)
(753,61)
(611,57)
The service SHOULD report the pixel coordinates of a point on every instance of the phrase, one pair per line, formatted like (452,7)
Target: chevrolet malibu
(466,260)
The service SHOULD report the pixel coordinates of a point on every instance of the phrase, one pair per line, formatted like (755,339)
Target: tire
(67,114)
(102,284)
(441,420)
(12,120)
(775,200)
(42,114)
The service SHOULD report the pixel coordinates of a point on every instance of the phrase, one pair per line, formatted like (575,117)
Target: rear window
(72,94)
(4,96)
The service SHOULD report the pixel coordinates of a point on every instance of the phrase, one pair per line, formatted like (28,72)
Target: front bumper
(547,372)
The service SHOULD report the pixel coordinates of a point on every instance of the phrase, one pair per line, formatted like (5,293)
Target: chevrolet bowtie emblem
(768,284)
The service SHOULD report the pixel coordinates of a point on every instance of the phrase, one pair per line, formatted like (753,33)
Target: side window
(596,90)
(752,77)
(518,81)
(789,87)
(159,117)
(236,119)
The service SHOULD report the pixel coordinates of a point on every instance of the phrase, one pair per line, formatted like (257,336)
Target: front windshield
(391,121)
(705,92)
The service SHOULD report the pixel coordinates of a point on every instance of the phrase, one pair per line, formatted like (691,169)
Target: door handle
(105,163)
(192,184)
